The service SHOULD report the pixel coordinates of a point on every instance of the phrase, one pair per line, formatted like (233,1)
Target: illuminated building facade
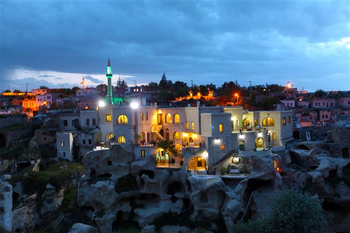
(201,135)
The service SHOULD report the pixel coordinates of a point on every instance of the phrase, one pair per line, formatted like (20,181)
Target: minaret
(109,76)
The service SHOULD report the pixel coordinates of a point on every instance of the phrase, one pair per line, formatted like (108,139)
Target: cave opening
(2,140)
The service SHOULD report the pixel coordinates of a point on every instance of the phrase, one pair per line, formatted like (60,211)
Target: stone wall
(6,205)
(341,136)
(8,120)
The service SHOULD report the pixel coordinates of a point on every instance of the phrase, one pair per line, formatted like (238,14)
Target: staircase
(226,156)
(155,129)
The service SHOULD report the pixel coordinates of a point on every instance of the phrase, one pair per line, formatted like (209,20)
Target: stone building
(64,144)
(212,131)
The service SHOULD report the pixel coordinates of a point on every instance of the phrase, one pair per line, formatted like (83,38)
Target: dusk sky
(55,43)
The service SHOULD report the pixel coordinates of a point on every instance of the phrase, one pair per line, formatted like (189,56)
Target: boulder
(25,217)
(82,228)
(51,199)
(149,229)
(6,205)
(304,158)
(174,229)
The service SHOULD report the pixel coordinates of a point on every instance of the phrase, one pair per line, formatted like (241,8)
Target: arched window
(256,122)
(192,125)
(142,136)
(177,118)
(284,121)
(122,119)
(109,136)
(121,140)
(245,122)
(288,119)
(268,121)
(168,118)
(141,116)
(187,125)
(176,135)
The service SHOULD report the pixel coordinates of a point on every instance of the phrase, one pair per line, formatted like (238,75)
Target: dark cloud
(259,41)
(94,80)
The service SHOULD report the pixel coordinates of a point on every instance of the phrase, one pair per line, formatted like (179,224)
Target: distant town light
(134,105)
(101,103)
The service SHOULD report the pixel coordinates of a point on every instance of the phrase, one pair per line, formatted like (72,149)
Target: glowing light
(101,103)
(241,136)
(185,134)
(159,111)
(236,160)
(233,118)
(44,102)
(278,169)
(195,135)
(260,134)
(134,105)
(217,141)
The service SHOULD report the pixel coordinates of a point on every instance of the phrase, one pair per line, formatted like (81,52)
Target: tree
(268,103)
(291,212)
(153,86)
(168,146)
(295,212)
(164,83)
(320,93)
(180,89)
(228,89)
(43,87)
(121,83)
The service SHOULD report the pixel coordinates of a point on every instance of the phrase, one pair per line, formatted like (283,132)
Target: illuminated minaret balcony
(109,76)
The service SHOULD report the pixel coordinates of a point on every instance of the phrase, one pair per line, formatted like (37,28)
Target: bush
(292,212)
(295,212)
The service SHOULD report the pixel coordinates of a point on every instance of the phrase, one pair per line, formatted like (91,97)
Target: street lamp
(236,95)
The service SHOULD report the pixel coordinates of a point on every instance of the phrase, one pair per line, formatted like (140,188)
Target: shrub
(295,212)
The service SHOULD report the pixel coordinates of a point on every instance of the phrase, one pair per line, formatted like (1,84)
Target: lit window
(268,121)
(288,119)
(223,147)
(168,118)
(109,136)
(274,136)
(122,119)
(121,140)
(146,116)
(192,125)
(108,117)
(187,125)
(176,135)
(176,118)
(221,128)
(143,153)
(284,121)
(62,143)
(141,116)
